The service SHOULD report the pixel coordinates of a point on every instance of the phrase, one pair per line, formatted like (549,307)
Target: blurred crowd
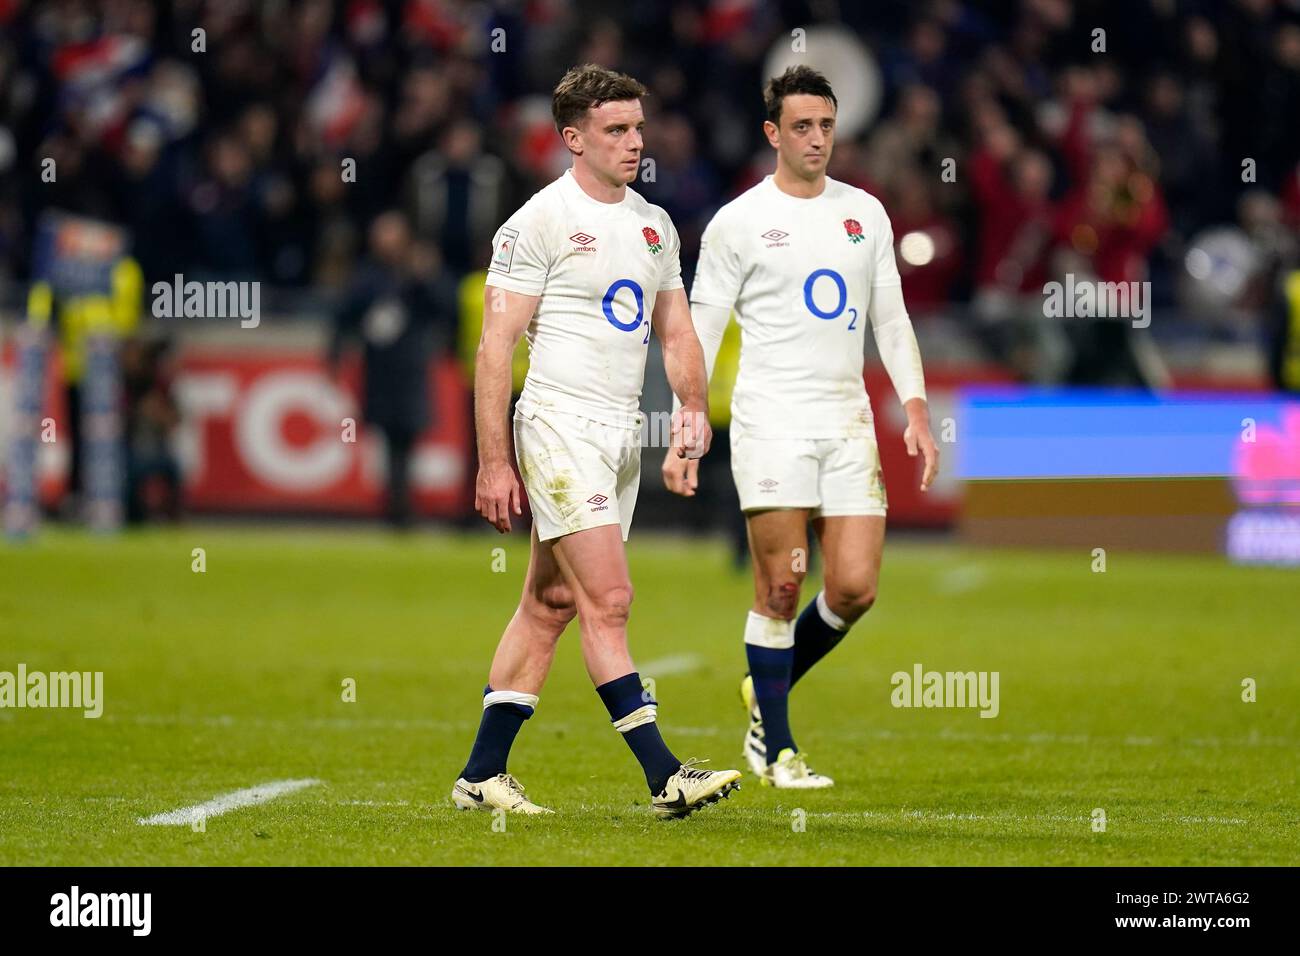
(222,133)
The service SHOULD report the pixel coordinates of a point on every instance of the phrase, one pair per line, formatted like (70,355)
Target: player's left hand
(918,439)
(681,475)
(691,433)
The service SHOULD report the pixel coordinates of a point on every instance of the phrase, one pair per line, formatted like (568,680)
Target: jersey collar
(769,183)
(580,194)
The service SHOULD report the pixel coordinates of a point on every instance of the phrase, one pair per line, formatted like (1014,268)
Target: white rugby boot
(755,749)
(691,788)
(791,772)
(500,792)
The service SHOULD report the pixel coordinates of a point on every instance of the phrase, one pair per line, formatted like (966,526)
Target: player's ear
(573,139)
(772,133)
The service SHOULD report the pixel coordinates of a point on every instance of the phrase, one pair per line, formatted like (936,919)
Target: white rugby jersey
(598,268)
(800,275)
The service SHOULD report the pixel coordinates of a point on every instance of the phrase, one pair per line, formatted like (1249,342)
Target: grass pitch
(1119,691)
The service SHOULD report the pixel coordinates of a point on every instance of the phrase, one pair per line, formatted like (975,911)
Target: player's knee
(852,599)
(613,606)
(783,597)
(553,608)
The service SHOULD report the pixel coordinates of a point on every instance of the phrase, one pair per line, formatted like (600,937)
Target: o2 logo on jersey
(607,306)
(842,297)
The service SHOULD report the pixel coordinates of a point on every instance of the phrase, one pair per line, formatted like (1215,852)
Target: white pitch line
(248,797)
(672,664)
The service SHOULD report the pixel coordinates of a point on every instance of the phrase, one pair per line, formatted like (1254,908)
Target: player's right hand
(691,433)
(496,494)
(681,475)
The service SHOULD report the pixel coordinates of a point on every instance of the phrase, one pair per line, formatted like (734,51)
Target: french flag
(92,75)
(106,60)
(336,101)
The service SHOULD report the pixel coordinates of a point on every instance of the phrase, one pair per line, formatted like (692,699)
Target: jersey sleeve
(896,342)
(885,268)
(671,271)
(521,256)
(718,275)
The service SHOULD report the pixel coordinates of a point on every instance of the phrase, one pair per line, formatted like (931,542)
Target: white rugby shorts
(833,477)
(578,473)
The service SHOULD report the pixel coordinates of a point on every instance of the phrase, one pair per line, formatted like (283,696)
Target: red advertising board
(267,432)
(908,505)
(273,432)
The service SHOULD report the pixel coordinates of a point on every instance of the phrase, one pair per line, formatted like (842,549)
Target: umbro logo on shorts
(599,502)
(768,484)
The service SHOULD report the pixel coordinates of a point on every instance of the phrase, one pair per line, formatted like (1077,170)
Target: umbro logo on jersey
(774,237)
(768,484)
(584,242)
(599,502)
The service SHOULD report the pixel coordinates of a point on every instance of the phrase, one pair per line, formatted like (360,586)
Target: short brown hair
(587,86)
(795,80)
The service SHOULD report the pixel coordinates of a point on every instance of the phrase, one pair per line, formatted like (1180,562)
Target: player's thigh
(852,550)
(595,566)
(569,472)
(849,478)
(628,481)
(778,544)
